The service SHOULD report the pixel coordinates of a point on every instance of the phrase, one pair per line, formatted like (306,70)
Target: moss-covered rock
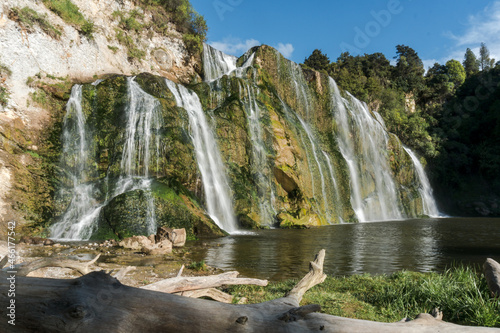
(130,214)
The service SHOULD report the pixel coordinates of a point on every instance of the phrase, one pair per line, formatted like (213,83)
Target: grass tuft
(28,18)
(70,13)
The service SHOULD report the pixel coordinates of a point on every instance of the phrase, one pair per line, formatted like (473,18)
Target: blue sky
(438,30)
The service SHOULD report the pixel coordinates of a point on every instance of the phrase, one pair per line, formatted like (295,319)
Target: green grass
(28,18)
(70,13)
(198,266)
(460,293)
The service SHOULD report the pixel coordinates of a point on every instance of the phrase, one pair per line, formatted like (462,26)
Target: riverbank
(148,268)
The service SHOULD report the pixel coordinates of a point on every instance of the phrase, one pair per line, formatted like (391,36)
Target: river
(421,245)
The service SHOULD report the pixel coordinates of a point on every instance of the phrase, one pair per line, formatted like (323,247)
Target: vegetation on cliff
(449,114)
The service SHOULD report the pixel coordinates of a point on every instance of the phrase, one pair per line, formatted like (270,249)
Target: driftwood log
(179,284)
(82,267)
(98,302)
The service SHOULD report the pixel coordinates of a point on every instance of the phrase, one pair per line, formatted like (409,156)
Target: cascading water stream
(77,222)
(216,63)
(363,144)
(425,189)
(215,183)
(320,168)
(338,202)
(140,147)
(259,164)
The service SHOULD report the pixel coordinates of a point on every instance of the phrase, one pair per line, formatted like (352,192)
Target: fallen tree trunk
(82,267)
(97,302)
(180,283)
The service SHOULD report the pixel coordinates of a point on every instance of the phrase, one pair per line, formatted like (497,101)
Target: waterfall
(363,143)
(338,202)
(259,164)
(320,168)
(425,189)
(77,222)
(215,183)
(141,147)
(216,63)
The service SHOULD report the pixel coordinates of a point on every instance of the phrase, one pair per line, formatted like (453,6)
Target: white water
(259,164)
(320,168)
(339,206)
(215,183)
(363,144)
(216,63)
(143,120)
(77,220)
(425,189)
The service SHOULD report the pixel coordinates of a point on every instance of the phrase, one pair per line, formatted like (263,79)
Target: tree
(484,57)
(456,72)
(409,71)
(470,63)
(318,61)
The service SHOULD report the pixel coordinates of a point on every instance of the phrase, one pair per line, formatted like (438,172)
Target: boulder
(176,236)
(136,242)
(492,274)
(163,247)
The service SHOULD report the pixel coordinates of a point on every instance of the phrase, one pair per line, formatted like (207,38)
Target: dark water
(378,248)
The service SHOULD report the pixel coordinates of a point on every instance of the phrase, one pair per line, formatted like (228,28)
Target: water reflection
(377,248)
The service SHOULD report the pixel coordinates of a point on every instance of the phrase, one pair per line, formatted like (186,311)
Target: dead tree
(98,302)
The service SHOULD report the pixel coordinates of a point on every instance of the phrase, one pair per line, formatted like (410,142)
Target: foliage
(29,18)
(470,63)
(129,22)
(185,19)
(318,61)
(409,71)
(469,125)
(460,293)
(198,266)
(70,13)
(133,52)
(455,72)
(485,62)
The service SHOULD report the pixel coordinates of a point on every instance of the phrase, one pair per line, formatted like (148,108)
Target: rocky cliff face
(99,141)
(41,56)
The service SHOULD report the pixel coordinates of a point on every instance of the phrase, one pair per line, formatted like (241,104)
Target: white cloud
(285,49)
(482,27)
(428,63)
(234,46)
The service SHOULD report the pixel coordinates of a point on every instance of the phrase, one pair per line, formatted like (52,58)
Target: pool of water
(421,245)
